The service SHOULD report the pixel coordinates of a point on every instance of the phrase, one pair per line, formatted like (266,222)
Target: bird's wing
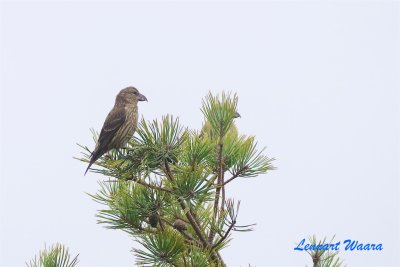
(113,122)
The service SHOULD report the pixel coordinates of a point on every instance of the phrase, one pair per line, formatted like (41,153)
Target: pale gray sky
(318,84)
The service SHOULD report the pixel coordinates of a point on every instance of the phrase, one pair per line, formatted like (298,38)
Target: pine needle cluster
(54,256)
(324,258)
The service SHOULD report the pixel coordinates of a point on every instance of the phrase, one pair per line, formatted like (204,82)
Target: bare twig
(231,179)
(225,235)
(239,172)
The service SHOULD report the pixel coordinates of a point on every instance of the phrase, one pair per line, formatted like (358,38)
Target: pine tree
(168,187)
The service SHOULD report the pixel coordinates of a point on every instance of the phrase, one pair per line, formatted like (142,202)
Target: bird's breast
(128,129)
(132,116)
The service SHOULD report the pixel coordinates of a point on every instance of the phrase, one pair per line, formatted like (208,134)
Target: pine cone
(153,219)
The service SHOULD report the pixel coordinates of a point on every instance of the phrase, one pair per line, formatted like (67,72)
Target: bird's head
(236,115)
(130,95)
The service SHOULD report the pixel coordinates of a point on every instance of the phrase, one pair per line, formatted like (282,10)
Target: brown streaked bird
(120,123)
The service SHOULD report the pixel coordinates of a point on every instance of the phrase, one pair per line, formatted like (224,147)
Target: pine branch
(222,175)
(217,190)
(194,223)
(134,178)
(186,210)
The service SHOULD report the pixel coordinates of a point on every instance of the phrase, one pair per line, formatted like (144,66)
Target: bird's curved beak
(236,115)
(141,97)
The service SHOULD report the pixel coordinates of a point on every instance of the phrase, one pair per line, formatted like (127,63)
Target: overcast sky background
(318,84)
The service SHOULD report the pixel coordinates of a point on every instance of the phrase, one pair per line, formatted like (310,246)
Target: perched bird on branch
(120,124)
(207,130)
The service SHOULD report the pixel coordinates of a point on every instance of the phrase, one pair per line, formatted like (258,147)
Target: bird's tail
(90,164)
(96,154)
